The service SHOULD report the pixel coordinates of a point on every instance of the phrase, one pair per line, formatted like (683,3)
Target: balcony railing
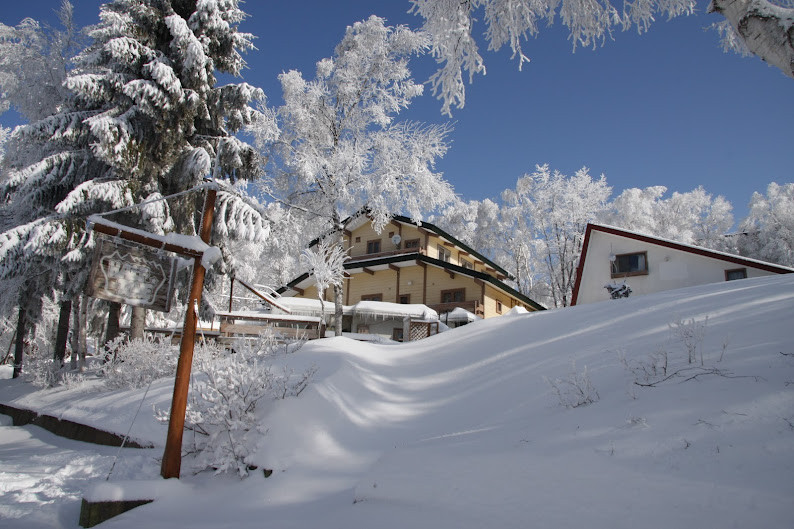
(472,306)
(401,251)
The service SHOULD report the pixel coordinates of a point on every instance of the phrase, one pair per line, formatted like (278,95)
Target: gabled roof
(690,248)
(355,221)
(408,259)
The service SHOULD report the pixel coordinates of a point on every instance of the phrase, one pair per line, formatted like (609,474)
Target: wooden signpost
(172,456)
(134,275)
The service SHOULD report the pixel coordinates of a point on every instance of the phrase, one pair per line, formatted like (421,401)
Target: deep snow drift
(462,429)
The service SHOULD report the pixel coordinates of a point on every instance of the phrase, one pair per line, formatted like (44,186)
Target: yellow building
(411,263)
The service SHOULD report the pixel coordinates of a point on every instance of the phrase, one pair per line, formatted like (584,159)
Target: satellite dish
(396,239)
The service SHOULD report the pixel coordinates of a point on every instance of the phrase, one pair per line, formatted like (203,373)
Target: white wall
(668,268)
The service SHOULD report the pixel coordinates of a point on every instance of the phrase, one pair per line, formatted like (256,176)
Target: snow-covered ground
(461,430)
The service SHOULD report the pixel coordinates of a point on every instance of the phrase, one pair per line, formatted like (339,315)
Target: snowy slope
(461,430)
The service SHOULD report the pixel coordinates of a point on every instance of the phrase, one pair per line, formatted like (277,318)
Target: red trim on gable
(580,266)
(767,267)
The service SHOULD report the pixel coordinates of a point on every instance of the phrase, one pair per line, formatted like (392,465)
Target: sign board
(131,274)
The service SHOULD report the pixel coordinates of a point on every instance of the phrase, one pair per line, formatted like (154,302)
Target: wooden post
(231,291)
(172,456)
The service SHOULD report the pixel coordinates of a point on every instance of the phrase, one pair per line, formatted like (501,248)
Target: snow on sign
(131,274)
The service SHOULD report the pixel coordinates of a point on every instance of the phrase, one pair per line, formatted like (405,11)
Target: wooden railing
(472,306)
(402,251)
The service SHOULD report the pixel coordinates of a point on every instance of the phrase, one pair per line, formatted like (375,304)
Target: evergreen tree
(144,119)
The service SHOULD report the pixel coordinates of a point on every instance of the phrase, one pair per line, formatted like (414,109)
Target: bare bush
(691,334)
(575,390)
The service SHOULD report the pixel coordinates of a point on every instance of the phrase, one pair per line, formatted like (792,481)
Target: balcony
(401,251)
(472,306)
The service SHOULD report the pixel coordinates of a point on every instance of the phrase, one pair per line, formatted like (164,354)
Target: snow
(382,309)
(460,430)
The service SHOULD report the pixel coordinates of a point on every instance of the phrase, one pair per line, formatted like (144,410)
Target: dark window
(412,244)
(373,246)
(362,329)
(738,273)
(444,254)
(498,306)
(372,297)
(453,296)
(467,264)
(397,334)
(405,299)
(630,264)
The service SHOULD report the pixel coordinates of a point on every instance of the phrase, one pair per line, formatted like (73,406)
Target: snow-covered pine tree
(340,148)
(145,118)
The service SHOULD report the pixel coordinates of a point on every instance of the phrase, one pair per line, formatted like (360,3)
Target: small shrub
(221,411)
(135,363)
(575,390)
(691,334)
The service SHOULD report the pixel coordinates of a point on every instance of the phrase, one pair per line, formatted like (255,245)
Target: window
(737,273)
(397,334)
(498,307)
(362,329)
(467,264)
(630,264)
(372,297)
(412,244)
(373,246)
(405,299)
(453,296)
(444,254)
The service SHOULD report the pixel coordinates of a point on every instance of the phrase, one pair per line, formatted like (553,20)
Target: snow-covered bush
(41,370)
(135,363)
(691,334)
(618,290)
(575,390)
(222,408)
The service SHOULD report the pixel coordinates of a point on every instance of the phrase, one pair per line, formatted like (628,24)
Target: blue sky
(664,108)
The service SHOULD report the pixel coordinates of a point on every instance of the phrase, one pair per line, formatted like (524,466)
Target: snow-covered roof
(382,308)
(376,309)
(460,314)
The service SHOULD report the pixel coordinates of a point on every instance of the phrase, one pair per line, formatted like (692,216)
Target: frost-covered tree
(694,217)
(768,231)
(553,211)
(34,61)
(339,148)
(765,27)
(145,119)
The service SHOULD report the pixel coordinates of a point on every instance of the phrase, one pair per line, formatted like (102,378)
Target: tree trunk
(766,29)
(338,291)
(112,330)
(78,338)
(59,355)
(137,323)
(20,344)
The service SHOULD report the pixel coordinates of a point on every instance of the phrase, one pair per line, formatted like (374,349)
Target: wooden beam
(140,238)
(395,268)
(451,274)
(300,291)
(367,270)
(447,243)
